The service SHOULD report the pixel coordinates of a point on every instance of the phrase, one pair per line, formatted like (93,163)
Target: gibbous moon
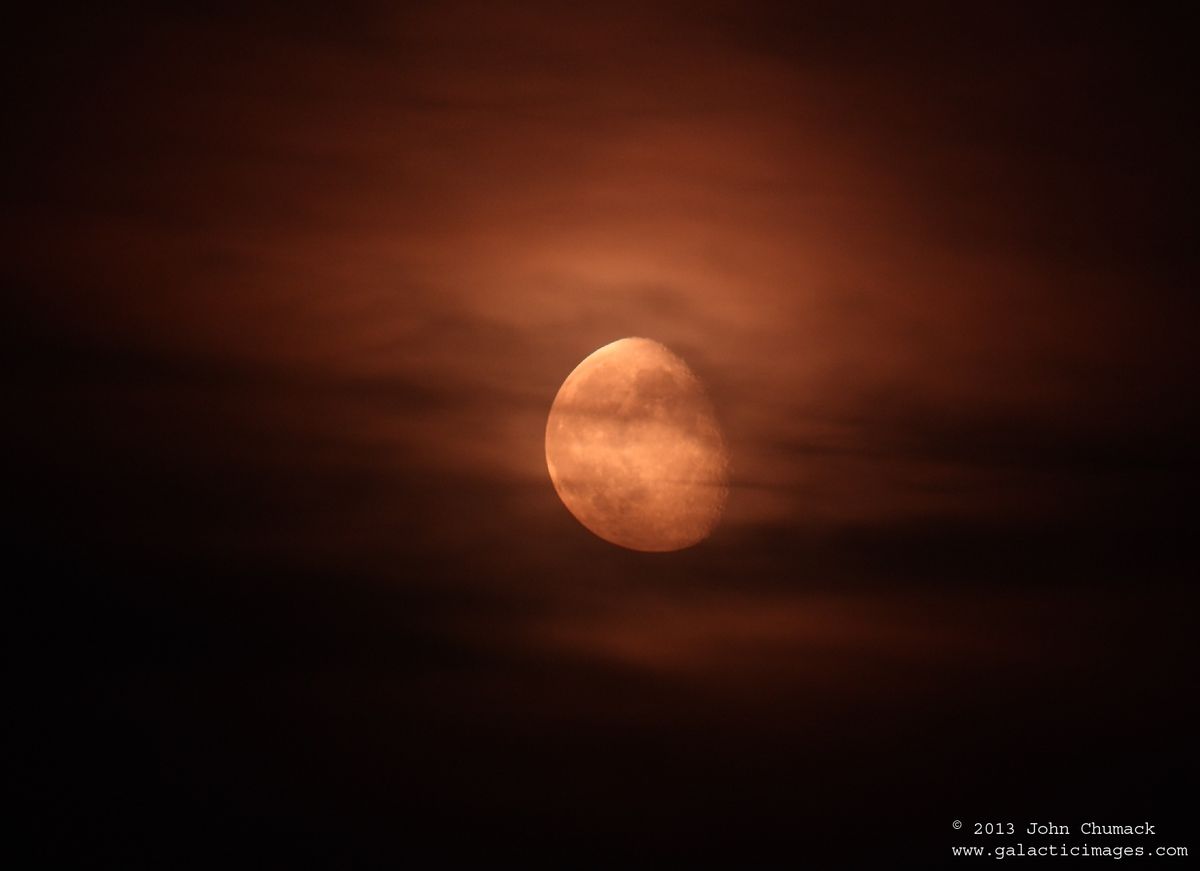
(634,449)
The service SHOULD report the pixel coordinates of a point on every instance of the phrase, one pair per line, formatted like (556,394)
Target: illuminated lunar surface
(634,448)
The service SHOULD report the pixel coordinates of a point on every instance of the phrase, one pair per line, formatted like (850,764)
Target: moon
(634,449)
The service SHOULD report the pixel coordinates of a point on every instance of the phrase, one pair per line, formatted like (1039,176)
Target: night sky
(290,290)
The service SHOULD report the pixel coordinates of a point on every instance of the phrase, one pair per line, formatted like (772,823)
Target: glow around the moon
(634,449)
